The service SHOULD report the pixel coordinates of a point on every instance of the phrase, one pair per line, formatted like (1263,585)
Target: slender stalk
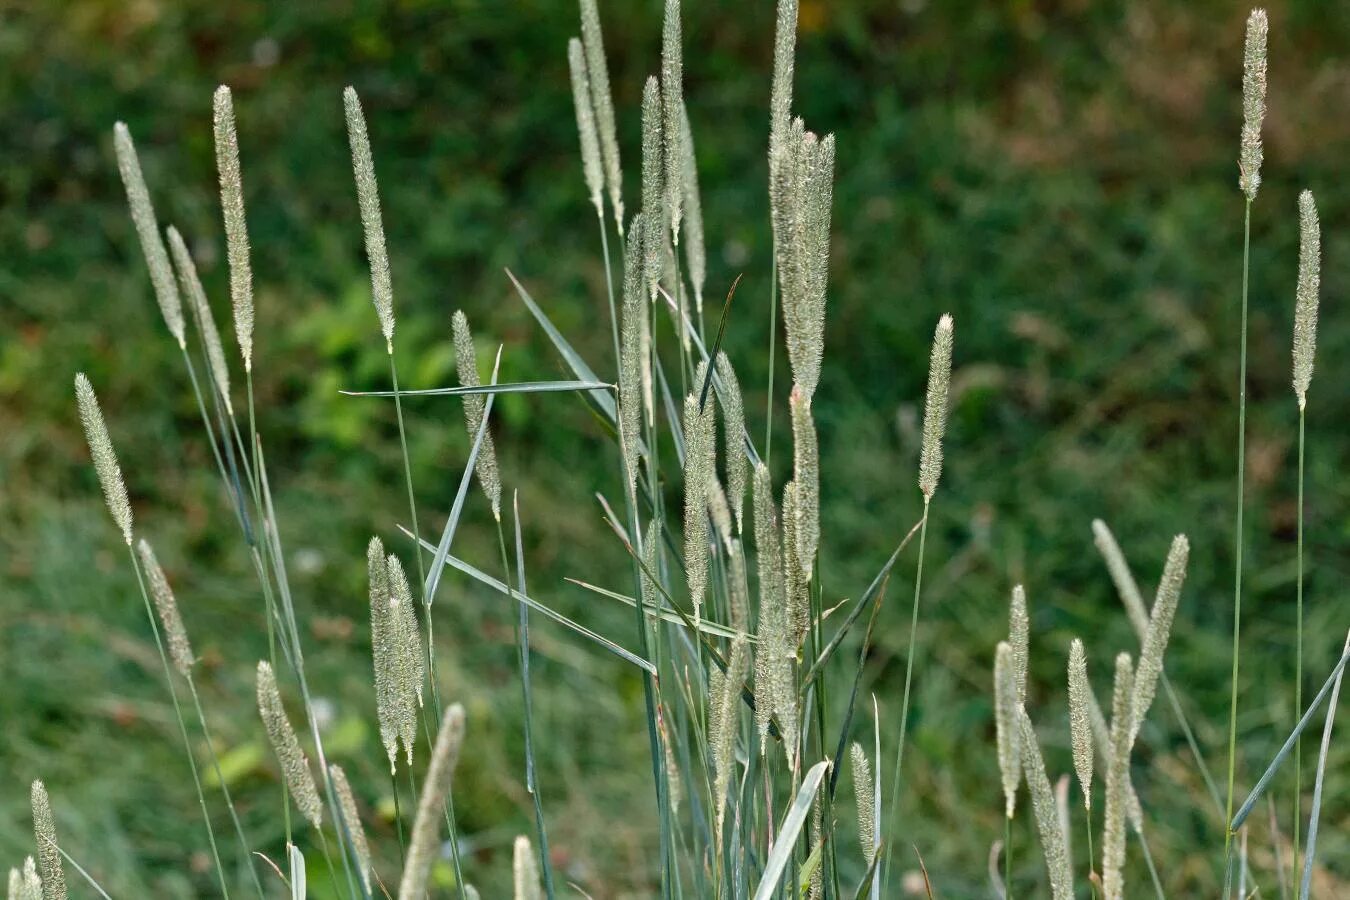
(398,821)
(1007,857)
(1092,881)
(1238,537)
(609,289)
(1298,646)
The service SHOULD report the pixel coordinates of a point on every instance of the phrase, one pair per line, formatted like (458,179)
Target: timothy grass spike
(1019,638)
(774,690)
(351,820)
(206,322)
(1119,570)
(147,229)
(524,871)
(410,664)
(597,71)
(796,583)
(733,430)
(784,62)
(384,651)
(1117,777)
(25,884)
(1253,103)
(1007,730)
(863,796)
(935,409)
(1306,295)
(424,842)
(1080,720)
(653,187)
(1159,631)
(180,650)
(467,365)
(695,252)
(294,766)
(631,349)
(105,458)
(1053,842)
(672,109)
(806,475)
(44,834)
(372,220)
(699,463)
(591,167)
(724,703)
(236,225)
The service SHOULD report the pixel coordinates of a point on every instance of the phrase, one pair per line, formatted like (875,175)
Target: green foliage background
(1060,176)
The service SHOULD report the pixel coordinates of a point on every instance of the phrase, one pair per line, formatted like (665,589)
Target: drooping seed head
(236,225)
(733,431)
(1053,843)
(524,871)
(201,311)
(591,167)
(1159,630)
(655,217)
(474,405)
(1125,584)
(105,458)
(935,409)
(351,823)
(672,107)
(180,650)
(147,229)
(372,220)
(1019,637)
(294,766)
(424,842)
(597,70)
(1306,295)
(1080,725)
(863,797)
(699,464)
(44,833)
(1117,777)
(1253,103)
(695,253)
(806,475)
(1005,723)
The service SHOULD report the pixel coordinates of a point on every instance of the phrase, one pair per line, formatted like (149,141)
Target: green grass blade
(518,387)
(1310,846)
(666,615)
(786,839)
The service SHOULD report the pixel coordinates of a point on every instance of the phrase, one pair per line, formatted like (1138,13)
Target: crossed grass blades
(746,737)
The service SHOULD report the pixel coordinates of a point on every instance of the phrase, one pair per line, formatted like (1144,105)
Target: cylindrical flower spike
(105,458)
(236,226)
(466,363)
(1006,728)
(372,220)
(593,42)
(294,766)
(147,229)
(206,322)
(1306,295)
(1080,722)
(180,650)
(591,167)
(1253,103)
(935,410)
(49,856)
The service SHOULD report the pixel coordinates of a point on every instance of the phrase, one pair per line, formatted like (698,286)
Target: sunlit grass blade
(786,839)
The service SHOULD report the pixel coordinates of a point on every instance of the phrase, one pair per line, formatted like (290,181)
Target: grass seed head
(351,821)
(1253,103)
(699,463)
(695,252)
(1019,637)
(1117,779)
(1080,723)
(1159,631)
(733,430)
(201,311)
(672,109)
(1006,728)
(384,650)
(597,70)
(806,475)
(935,408)
(372,220)
(147,229)
(1306,295)
(525,871)
(294,766)
(1125,584)
(591,167)
(44,834)
(424,841)
(236,225)
(410,666)
(863,790)
(1053,842)
(654,216)
(105,458)
(180,650)
(466,363)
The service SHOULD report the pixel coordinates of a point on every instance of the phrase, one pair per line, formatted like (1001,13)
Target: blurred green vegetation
(1060,176)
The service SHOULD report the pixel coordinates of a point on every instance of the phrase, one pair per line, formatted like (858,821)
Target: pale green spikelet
(672,110)
(1005,724)
(738,589)
(1019,638)
(474,404)
(674,785)
(655,220)
(816,890)
(1053,844)
(201,310)
(384,650)
(695,252)
(1253,103)
(591,167)
(372,220)
(25,884)
(105,458)
(631,361)
(1080,725)
(294,766)
(733,431)
(597,68)
(724,703)
(1126,586)
(1062,787)
(180,650)
(1159,630)
(524,871)
(410,666)
(699,463)
(651,559)
(1306,295)
(424,842)
(147,229)
(935,408)
(796,583)
(236,225)
(44,834)
(784,61)
(863,795)
(351,821)
(775,690)
(1101,736)
(1117,776)
(720,513)
(806,475)
(470,892)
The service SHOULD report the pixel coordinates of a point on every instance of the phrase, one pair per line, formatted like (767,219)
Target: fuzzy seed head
(147,229)
(201,312)
(591,168)
(738,590)
(25,884)
(597,70)
(724,703)
(294,766)
(1019,637)
(775,690)
(411,667)
(1080,725)
(1125,584)
(631,359)
(524,871)
(424,842)
(653,186)
(864,797)
(784,61)
(105,459)
(935,408)
(1159,630)
(695,253)
(1306,295)
(806,475)
(1117,779)
(351,821)
(651,559)
(1053,842)
(1005,722)
(372,220)
(720,513)
(699,465)
(236,226)
(44,834)
(384,650)
(796,583)
(1253,103)
(474,405)
(180,650)
(672,106)
(733,430)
